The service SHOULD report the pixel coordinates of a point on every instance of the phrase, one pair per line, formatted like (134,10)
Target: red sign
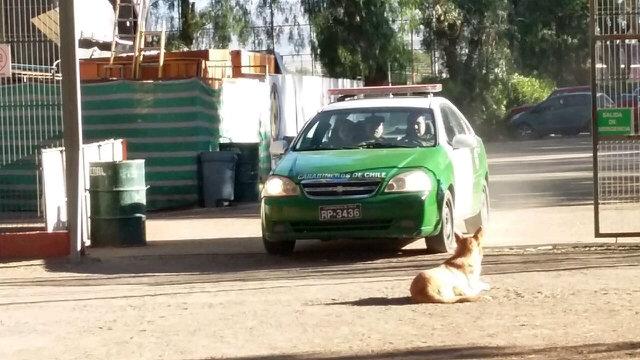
(5,60)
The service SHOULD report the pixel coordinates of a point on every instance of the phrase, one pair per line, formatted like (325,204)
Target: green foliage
(357,38)
(190,23)
(471,36)
(528,90)
(550,38)
(286,11)
(227,19)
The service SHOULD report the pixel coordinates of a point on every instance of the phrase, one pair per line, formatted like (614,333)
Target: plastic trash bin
(218,177)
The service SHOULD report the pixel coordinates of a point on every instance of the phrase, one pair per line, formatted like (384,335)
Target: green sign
(615,122)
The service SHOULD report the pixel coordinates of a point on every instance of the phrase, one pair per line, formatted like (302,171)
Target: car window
(552,104)
(604,101)
(581,100)
(368,128)
(453,124)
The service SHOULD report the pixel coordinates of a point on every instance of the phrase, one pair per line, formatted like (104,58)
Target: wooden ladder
(149,42)
(128,9)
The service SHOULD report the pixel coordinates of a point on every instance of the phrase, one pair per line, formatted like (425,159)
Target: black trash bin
(218,169)
(118,203)
(247,171)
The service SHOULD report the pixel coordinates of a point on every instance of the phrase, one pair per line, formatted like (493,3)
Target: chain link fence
(30,104)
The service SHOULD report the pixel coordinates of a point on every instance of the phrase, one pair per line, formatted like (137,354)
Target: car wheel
(482,217)
(281,248)
(444,241)
(526,132)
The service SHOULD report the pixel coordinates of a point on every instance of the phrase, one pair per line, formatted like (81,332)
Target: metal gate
(615,71)
(30,104)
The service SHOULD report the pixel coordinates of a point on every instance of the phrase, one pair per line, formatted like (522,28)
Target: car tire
(280,248)
(444,241)
(482,217)
(526,132)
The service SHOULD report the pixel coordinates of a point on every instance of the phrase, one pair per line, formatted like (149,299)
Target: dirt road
(578,303)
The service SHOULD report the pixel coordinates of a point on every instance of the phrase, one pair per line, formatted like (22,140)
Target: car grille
(315,227)
(340,188)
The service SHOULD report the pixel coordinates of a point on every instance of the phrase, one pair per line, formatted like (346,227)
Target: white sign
(5,60)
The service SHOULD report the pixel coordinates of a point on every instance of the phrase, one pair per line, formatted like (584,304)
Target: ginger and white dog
(457,279)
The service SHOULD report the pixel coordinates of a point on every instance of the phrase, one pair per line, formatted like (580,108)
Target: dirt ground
(562,303)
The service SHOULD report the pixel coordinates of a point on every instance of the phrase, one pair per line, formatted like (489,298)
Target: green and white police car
(403,167)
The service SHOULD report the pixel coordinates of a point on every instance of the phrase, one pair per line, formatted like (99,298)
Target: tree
(227,19)
(286,12)
(357,38)
(471,37)
(217,24)
(551,39)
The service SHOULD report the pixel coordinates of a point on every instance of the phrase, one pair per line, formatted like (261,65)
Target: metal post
(594,122)
(71,110)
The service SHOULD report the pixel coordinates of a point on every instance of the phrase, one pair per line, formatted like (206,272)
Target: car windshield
(368,128)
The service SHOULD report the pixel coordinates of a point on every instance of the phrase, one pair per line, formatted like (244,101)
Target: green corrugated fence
(167,123)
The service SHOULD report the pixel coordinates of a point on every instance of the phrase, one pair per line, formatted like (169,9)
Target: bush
(527,90)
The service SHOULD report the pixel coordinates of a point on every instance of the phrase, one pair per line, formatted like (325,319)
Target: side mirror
(464,141)
(278,147)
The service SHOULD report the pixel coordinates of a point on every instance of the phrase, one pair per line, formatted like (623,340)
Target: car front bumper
(384,216)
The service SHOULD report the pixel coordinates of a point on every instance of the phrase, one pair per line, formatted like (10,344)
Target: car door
(553,113)
(574,114)
(462,160)
(479,163)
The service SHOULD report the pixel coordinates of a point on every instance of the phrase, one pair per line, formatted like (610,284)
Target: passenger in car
(342,133)
(372,128)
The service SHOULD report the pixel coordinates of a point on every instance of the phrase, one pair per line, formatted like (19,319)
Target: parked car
(378,168)
(559,91)
(566,114)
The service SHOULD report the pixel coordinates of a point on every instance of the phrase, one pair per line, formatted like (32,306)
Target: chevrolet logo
(339,189)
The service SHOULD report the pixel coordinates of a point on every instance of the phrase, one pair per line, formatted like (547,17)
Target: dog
(457,279)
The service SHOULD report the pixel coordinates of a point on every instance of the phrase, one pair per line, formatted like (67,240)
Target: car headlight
(411,181)
(277,186)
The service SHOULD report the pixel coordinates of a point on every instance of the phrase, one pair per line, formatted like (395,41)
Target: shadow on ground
(629,350)
(350,263)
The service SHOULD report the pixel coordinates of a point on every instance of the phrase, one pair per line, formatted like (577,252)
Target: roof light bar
(387,90)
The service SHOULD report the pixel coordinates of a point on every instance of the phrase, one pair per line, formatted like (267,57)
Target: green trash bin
(118,195)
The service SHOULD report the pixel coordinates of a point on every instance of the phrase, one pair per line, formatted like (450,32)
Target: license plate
(340,212)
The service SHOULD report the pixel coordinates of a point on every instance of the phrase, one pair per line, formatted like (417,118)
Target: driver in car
(419,130)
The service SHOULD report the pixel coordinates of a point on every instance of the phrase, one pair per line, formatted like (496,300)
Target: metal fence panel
(615,54)
(30,105)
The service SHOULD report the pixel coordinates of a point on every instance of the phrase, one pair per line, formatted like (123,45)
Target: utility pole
(71,117)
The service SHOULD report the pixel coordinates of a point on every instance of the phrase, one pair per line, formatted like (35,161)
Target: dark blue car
(566,114)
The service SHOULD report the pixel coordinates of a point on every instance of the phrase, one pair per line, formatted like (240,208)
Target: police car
(376,168)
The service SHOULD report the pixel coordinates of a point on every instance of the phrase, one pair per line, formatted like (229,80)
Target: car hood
(363,163)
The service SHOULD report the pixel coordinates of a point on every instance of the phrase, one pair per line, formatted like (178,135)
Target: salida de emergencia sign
(615,121)
(5,60)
